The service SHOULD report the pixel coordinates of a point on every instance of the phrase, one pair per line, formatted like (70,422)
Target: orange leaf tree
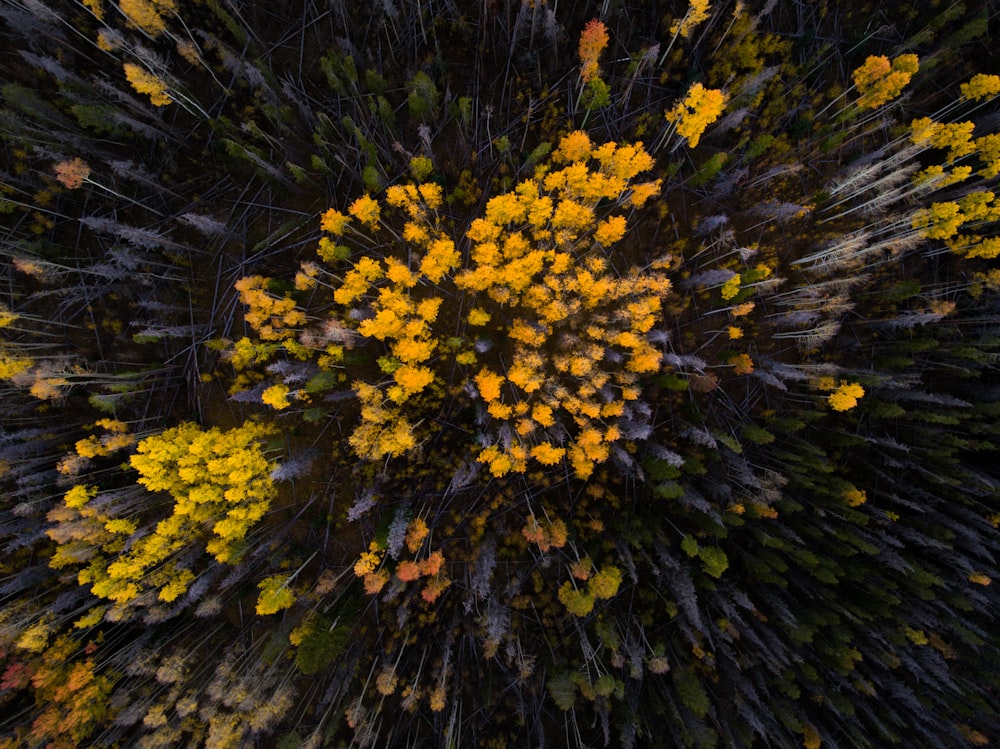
(555,340)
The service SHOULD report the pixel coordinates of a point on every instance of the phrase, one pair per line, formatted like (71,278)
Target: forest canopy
(499,374)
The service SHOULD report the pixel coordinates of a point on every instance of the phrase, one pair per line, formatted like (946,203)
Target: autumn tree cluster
(499,374)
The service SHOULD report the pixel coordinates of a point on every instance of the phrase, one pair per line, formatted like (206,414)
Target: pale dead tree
(864,174)
(814,292)
(768,379)
(889,190)
(207,225)
(896,240)
(838,253)
(397,531)
(752,85)
(794,318)
(797,372)
(815,336)
(463,476)
(727,183)
(767,286)
(731,121)
(710,224)
(707,278)
(646,62)
(699,436)
(782,170)
(814,306)
(51,66)
(142,238)
(779,211)
(910,320)
(481,574)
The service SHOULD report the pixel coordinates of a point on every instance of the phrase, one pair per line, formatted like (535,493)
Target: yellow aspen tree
(879,81)
(602,585)
(846,396)
(697,12)
(699,109)
(147,83)
(383,430)
(810,737)
(79,530)
(742,364)
(403,317)
(370,560)
(220,486)
(6,316)
(96,8)
(980,87)
(939,221)
(855,497)
(369,567)
(988,152)
(731,287)
(334,222)
(146,14)
(605,583)
(276,397)
(274,318)
(945,220)
(366,210)
(275,595)
(955,138)
(577,602)
(12,364)
(116,437)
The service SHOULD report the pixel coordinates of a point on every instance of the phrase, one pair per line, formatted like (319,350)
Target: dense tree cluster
(499,374)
